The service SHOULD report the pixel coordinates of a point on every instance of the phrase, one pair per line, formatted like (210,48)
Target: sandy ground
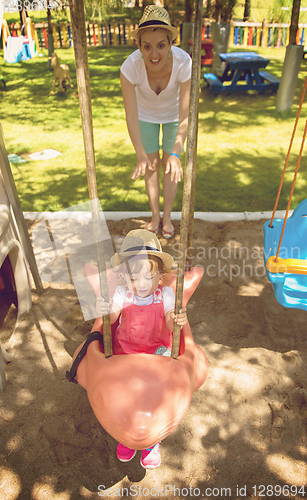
(244,435)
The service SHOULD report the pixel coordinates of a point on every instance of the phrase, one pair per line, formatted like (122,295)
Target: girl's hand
(173,166)
(141,166)
(180,318)
(102,307)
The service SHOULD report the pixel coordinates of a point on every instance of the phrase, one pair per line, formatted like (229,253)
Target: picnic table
(243,71)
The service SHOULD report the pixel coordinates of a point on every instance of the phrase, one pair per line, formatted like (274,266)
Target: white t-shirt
(168,298)
(153,108)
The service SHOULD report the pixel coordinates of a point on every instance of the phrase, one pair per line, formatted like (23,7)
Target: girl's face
(155,48)
(142,282)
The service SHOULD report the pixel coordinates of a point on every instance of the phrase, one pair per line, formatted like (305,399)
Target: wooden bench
(273,81)
(214,82)
(265,82)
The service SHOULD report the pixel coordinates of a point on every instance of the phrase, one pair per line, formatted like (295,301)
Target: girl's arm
(103,308)
(173,164)
(132,121)
(180,319)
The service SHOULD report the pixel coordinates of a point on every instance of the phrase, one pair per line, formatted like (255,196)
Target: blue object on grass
(26,54)
(290,288)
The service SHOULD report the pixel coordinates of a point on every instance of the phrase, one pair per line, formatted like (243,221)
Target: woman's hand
(102,307)
(173,167)
(141,166)
(180,318)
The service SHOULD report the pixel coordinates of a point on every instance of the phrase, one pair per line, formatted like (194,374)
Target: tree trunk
(209,8)
(23,16)
(294,21)
(50,39)
(49,21)
(188,10)
(247,10)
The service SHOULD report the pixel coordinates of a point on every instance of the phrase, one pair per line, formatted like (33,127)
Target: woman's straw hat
(141,242)
(155,17)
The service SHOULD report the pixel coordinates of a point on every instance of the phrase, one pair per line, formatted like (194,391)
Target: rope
(289,150)
(292,189)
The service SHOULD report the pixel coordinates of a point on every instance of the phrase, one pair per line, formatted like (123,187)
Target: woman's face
(155,48)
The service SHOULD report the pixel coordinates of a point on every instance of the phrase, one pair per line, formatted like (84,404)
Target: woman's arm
(173,164)
(132,121)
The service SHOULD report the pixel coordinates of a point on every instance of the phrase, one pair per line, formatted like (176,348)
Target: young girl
(145,310)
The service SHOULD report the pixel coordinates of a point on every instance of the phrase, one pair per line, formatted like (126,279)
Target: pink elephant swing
(141,398)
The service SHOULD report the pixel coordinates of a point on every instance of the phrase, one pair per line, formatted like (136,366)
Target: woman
(155,82)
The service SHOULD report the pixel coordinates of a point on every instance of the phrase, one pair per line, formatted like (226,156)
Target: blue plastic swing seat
(290,285)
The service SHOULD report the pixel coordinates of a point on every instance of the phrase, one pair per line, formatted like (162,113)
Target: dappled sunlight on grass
(231,175)
(242,141)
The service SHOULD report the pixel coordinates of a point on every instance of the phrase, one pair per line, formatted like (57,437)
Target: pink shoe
(124,454)
(151,457)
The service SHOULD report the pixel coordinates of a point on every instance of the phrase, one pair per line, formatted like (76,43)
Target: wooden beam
(189,173)
(84,90)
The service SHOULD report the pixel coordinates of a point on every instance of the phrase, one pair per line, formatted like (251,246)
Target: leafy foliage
(281,11)
(100,10)
(221,10)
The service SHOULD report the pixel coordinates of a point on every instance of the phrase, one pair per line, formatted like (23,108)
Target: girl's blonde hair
(134,265)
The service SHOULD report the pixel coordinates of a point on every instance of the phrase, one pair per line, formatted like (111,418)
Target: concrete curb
(116,216)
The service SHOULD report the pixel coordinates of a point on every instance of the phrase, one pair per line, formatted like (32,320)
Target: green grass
(242,141)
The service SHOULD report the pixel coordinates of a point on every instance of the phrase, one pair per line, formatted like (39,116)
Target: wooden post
(49,39)
(189,174)
(99,35)
(245,35)
(130,40)
(231,35)
(55,40)
(115,36)
(258,36)
(265,35)
(84,90)
(64,34)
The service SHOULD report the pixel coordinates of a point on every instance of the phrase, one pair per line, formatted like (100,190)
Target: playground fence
(242,34)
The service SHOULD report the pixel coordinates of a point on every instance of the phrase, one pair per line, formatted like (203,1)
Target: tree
(189,8)
(280,11)
(23,15)
(220,10)
(294,21)
(247,10)
(101,9)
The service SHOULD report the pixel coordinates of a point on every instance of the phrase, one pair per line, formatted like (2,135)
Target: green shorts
(150,135)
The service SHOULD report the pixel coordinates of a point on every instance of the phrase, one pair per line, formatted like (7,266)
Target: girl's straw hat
(141,242)
(155,17)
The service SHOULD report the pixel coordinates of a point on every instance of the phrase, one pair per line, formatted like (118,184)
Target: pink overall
(142,328)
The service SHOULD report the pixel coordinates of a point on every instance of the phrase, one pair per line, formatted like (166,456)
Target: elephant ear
(92,274)
(191,282)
